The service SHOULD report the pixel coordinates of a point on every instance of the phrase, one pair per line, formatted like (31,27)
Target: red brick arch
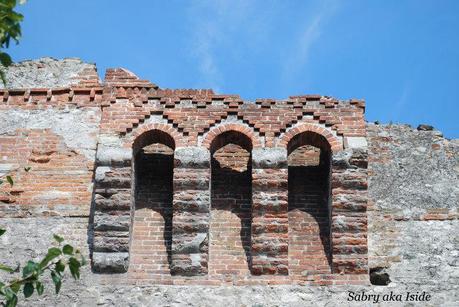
(167,129)
(216,131)
(335,144)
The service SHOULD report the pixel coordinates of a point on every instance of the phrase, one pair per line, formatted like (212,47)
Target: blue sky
(402,57)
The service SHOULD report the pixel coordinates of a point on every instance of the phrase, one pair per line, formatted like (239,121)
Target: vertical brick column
(349,211)
(191,204)
(269,211)
(112,207)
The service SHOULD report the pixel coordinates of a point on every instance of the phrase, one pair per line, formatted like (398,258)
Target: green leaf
(57,281)
(68,249)
(29,268)
(10,180)
(59,267)
(12,301)
(15,287)
(28,289)
(1,181)
(6,268)
(53,252)
(40,288)
(5,59)
(58,238)
(9,293)
(74,266)
(2,231)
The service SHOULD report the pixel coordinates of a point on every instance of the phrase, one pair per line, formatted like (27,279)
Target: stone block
(269,158)
(116,221)
(191,157)
(110,262)
(355,142)
(113,156)
(189,244)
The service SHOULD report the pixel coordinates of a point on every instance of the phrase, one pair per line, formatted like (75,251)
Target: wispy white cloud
(243,28)
(202,49)
(401,101)
(217,25)
(299,53)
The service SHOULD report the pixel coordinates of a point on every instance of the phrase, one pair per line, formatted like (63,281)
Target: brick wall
(191,187)
(230,217)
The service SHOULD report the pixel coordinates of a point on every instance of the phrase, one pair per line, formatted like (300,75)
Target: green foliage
(10,180)
(55,262)
(10,29)
(58,239)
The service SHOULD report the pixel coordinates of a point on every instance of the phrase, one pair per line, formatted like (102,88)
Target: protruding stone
(359,158)
(189,245)
(104,221)
(115,241)
(110,262)
(100,172)
(189,264)
(117,201)
(192,179)
(269,158)
(424,127)
(109,156)
(341,159)
(355,142)
(119,177)
(192,157)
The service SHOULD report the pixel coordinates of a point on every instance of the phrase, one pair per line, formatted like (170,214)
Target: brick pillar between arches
(269,212)
(191,202)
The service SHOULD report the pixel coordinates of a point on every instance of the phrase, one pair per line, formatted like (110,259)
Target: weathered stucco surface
(80,135)
(412,216)
(47,72)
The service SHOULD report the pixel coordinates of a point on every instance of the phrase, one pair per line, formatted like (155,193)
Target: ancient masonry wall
(184,187)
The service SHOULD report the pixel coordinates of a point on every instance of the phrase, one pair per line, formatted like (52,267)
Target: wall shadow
(153,191)
(308,193)
(231,190)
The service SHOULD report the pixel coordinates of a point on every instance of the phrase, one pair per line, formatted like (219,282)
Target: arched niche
(309,204)
(231,199)
(152,174)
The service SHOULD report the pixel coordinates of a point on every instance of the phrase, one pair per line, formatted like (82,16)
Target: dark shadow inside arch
(231,190)
(309,166)
(153,193)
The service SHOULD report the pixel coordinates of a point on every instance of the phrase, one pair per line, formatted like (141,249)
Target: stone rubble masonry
(51,73)
(237,211)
